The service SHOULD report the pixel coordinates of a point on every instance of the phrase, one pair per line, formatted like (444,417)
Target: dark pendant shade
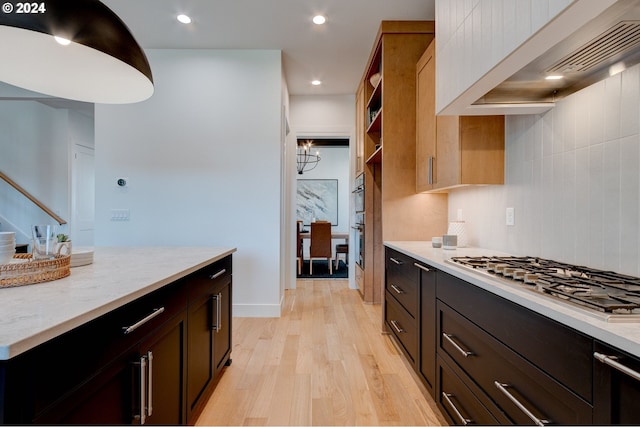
(102,64)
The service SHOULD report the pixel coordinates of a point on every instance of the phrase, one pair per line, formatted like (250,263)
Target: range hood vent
(602,47)
(617,40)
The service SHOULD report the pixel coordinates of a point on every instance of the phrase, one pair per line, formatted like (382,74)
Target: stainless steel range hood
(604,46)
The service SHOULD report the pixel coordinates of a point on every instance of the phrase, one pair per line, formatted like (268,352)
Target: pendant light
(305,160)
(73,49)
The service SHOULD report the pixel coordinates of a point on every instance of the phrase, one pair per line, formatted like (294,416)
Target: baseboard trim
(256,310)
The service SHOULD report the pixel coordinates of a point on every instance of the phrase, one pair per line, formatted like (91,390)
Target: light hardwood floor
(323,362)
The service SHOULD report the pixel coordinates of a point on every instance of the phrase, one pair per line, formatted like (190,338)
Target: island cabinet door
(616,386)
(105,399)
(199,349)
(142,386)
(159,392)
(222,327)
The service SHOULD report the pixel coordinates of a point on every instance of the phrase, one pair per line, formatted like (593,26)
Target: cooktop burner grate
(604,291)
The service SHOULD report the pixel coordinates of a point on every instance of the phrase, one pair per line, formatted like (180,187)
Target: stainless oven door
(358,239)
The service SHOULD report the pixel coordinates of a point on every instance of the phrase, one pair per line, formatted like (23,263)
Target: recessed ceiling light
(554,77)
(316,82)
(319,19)
(184,19)
(62,40)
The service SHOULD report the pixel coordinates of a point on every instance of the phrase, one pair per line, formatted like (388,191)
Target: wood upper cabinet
(360,120)
(453,150)
(387,108)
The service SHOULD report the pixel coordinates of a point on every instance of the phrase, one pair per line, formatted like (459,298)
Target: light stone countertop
(33,314)
(625,336)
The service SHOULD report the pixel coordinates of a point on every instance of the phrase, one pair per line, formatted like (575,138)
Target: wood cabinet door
(106,399)
(616,388)
(447,151)
(165,379)
(199,349)
(426,120)
(222,332)
(428,326)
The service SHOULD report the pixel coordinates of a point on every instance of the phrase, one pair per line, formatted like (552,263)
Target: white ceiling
(335,53)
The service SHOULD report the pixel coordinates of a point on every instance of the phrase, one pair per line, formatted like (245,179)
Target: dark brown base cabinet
(487,360)
(616,387)
(410,311)
(98,374)
(209,337)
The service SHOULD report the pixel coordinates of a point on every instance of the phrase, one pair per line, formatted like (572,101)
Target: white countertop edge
(17,347)
(623,335)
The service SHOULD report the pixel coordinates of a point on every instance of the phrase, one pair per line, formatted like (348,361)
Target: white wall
(573,177)
(203,161)
(34,141)
(327,116)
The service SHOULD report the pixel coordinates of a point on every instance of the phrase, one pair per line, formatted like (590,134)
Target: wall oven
(358,194)
(358,227)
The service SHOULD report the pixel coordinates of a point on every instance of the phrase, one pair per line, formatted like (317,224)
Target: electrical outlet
(511,216)
(459,214)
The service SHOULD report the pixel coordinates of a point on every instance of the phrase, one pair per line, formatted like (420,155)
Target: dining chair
(342,248)
(299,247)
(320,244)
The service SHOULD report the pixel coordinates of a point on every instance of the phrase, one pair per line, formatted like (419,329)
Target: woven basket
(32,272)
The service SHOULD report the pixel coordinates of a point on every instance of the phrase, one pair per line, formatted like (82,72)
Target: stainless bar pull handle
(462,351)
(447,398)
(395,261)
(430,170)
(129,329)
(217,299)
(397,327)
(421,267)
(613,362)
(143,389)
(503,388)
(150,383)
(397,289)
(218,274)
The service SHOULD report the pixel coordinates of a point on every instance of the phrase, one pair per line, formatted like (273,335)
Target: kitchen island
(492,351)
(71,345)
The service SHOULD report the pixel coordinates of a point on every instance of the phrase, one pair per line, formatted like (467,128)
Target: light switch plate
(511,216)
(119,214)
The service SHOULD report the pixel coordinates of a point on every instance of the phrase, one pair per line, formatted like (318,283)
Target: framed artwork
(317,199)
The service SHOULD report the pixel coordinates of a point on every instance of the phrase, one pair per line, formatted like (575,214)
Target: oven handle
(613,362)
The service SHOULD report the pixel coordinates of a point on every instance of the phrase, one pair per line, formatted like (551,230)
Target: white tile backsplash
(573,176)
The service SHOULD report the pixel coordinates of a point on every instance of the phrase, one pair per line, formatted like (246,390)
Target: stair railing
(32,198)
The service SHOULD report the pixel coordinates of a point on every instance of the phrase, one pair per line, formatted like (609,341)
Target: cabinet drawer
(54,369)
(402,280)
(402,326)
(560,351)
(514,384)
(202,281)
(458,402)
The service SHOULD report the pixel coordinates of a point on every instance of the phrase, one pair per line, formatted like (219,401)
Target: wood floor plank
(323,362)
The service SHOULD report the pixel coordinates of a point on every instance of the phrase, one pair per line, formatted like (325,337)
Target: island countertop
(625,336)
(34,314)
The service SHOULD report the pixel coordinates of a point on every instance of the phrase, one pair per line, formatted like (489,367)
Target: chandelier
(304,159)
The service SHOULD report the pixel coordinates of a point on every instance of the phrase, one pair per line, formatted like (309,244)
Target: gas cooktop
(610,296)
